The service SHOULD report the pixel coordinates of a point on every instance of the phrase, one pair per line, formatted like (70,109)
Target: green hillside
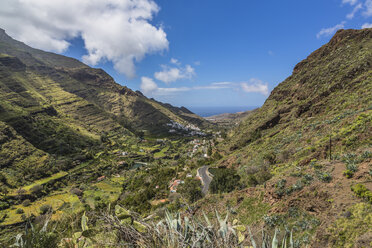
(328,95)
(59,106)
(105,166)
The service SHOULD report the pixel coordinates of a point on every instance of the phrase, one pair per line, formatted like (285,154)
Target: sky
(193,53)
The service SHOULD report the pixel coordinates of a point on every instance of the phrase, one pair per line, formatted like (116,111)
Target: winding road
(205,178)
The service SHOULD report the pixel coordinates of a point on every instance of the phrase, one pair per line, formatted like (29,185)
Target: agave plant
(274,242)
(177,231)
(36,236)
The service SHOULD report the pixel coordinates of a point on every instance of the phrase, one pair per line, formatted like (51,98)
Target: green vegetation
(346,231)
(125,228)
(361,191)
(224,180)
(74,144)
(191,190)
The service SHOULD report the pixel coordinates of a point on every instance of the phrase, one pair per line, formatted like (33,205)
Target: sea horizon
(210,111)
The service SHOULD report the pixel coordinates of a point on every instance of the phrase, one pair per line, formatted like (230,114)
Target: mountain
(328,91)
(298,169)
(303,156)
(52,105)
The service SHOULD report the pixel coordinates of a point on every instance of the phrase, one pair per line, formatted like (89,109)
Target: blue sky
(191,52)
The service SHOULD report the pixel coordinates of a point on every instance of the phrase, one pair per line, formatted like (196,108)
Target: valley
(105,165)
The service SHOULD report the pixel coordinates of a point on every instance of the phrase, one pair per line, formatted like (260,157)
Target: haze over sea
(210,111)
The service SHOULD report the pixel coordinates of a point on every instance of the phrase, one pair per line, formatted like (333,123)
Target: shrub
(307,178)
(366,154)
(21,191)
(191,190)
(45,209)
(348,174)
(3,205)
(19,211)
(325,177)
(257,175)
(224,180)
(361,191)
(3,178)
(26,203)
(76,191)
(37,190)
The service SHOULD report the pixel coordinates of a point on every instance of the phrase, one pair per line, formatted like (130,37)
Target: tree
(37,190)
(224,180)
(191,190)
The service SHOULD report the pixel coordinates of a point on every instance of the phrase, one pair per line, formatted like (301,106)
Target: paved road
(205,178)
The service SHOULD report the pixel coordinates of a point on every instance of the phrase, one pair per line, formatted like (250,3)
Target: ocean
(209,111)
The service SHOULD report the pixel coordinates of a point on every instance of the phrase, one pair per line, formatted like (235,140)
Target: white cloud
(150,88)
(148,85)
(351,2)
(255,86)
(113,30)
(331,30)
(172,74)
(367,25)
(355,10)
(175,61)
(368,6)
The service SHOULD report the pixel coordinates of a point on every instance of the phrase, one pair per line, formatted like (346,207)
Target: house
(189,175)
(173,186)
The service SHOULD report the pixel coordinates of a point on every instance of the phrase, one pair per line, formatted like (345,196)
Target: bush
(224,180)
(191,190)
(45,209)
(352,167)
(258,175)
(361,191)
(76,191)
(37,190)
(26,203)
(3,205)
(280,186)
(325,177)
(19,211)
(348,174)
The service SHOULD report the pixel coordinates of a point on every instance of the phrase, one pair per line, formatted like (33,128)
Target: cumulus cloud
(331,30)
(255,85)
(150,88)
(367,25)
(148,85)
(172,74)
(355,10)
(113,30)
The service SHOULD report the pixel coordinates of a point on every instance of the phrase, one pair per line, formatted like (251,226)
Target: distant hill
(229,119)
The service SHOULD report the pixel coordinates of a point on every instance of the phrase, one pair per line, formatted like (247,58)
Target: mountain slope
(329,90)
(56,106)
(131,109)
(302,155)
